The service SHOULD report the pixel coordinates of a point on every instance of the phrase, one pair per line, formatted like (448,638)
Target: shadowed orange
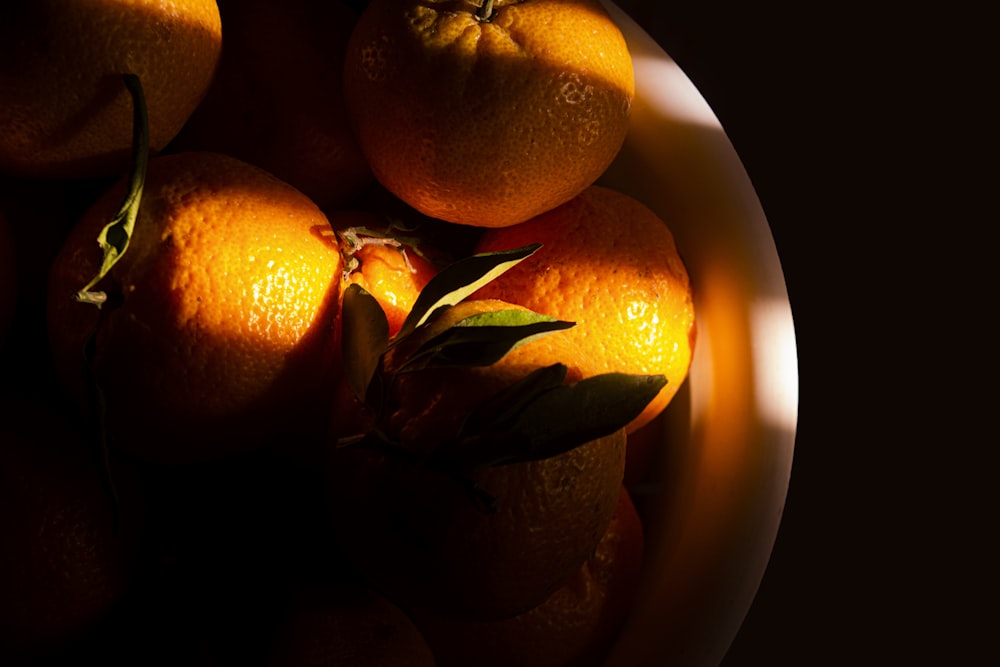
(418,534)
(63,106)
(66,557)
(574,627)
(277,98)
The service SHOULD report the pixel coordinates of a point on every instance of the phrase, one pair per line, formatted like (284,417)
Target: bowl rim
(715,504)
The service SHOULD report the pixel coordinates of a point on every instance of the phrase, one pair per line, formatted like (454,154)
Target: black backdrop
(852,123)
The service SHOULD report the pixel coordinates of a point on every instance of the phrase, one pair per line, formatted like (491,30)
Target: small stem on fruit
(91,297)
(485,12)
(356,238)
(353,239)
(114,238)
(98,404)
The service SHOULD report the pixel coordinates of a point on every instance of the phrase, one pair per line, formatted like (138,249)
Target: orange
(611,265)
(575,627)
(386,268)
(65,564)
(219,331)
(444,241)
(347,625)
(488,121)
(393,272)
(277,99)
(63,105)
(420,533)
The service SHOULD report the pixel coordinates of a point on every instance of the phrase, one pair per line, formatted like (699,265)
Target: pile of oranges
(322,341)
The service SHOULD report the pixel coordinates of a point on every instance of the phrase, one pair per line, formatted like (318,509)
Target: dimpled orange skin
(488,123)
(353,626)
(576,626)
(385,275)
(413,530)
(220,327)
(66,558)
(393,274)
(611,265)
(63,105)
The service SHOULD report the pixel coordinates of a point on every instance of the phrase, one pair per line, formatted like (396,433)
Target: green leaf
(114,238)
(506,317)
(364,339)
(539,419)
(501,411)
(482,339)
(460,279)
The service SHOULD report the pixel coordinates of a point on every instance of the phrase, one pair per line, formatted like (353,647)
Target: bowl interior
(716,493)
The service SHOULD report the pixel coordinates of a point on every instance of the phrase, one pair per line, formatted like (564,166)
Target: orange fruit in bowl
(611,265)
(346,624)
(576,626)
(63,104)
(218,333)
(419,526)
(489,113)
(277,99)
(393,272)
(387,268)
(67,554)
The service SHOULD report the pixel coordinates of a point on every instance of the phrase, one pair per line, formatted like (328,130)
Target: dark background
(858,127)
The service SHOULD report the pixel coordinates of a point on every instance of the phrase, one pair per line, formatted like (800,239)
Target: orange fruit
(277,98)
(575,627)
(393,273)
(219,331)
(445,241)
(387,269)
(64,107)
(347,625)
(488,121)
(417,530)
(611,265)
(65,563)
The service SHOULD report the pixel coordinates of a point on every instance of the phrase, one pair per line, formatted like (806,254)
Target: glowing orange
(488,121)
(219,332)
(611,265)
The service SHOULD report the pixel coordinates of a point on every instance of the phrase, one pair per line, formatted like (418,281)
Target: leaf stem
(114,238)
(485,12)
